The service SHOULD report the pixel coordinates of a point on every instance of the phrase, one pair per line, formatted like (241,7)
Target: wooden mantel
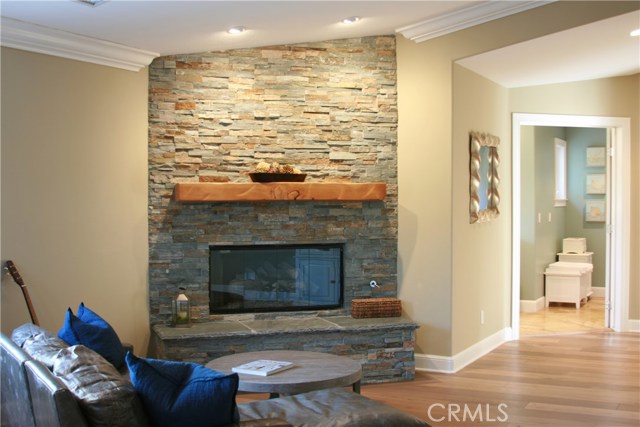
(253,191)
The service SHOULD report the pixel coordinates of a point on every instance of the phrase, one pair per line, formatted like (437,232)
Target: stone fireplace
(327,108)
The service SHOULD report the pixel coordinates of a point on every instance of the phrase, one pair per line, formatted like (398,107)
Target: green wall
(541,241)
(542,223)
(578,139)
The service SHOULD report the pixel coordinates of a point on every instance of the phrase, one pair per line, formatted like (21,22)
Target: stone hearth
(384,346)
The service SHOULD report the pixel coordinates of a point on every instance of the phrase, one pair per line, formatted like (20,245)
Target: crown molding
(468,17)
(34,38)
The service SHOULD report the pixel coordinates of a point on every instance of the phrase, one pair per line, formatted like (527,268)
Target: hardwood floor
(566,370)
(562,318)
(585,379)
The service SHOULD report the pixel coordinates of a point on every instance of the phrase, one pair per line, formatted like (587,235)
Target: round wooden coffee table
(311,371)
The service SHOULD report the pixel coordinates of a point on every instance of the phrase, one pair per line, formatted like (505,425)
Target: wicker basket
(376,307)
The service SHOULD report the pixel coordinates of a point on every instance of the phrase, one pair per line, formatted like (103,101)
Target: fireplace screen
(275,278)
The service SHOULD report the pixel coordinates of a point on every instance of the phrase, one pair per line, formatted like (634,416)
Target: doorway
(618,211)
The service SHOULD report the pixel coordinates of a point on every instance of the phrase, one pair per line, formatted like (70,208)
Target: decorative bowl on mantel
(277,177)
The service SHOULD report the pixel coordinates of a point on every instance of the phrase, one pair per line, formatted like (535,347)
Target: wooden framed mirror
(483,177)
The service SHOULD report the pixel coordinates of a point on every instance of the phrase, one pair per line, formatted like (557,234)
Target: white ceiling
(598,50)
(170,27)
(129,34)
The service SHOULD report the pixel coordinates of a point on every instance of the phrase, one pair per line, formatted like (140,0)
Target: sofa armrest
(53,404)
(265,422)
(14,392)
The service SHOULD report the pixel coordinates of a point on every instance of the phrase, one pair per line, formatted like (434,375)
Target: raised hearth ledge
(253,191)
(228,328)
(384,346)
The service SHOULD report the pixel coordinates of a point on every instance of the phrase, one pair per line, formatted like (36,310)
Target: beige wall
(74,191)
(430,231)
(424,193)
(481,265)
(74,184)
(615,97)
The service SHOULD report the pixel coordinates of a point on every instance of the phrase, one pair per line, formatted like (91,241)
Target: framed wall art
(596,156)
(594,211)
(596,183)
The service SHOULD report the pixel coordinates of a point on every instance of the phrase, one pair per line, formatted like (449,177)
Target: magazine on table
(262,367)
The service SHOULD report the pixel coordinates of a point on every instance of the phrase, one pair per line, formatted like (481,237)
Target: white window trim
(560,172)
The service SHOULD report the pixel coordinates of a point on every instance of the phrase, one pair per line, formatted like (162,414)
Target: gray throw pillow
(105,397)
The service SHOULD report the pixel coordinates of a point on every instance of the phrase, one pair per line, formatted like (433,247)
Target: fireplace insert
(261,278)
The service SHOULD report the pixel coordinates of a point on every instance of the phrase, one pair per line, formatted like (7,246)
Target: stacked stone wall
(329,109)
(386,355)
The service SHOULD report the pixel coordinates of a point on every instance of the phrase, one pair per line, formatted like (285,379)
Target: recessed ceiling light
(236,30)
(351,20)
(635,33)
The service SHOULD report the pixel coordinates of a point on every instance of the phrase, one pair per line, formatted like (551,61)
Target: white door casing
(618,211)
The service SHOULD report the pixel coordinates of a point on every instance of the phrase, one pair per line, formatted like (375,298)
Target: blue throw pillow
(179,394)
(92,331)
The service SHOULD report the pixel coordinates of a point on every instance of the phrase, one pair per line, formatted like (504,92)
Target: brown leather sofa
(32,396)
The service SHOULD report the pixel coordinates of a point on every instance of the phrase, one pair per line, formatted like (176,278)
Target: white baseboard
(531,306)
(634,325)
(452,364)
(598,291)
(433,363)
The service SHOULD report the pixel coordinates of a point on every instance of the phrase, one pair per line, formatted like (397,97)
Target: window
(561,172)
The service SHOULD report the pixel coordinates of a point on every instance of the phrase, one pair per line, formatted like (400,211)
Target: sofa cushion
(44,348)
(106,397)
(41,344)
(334,407)
(20,334)
(92,331)
(178,394)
